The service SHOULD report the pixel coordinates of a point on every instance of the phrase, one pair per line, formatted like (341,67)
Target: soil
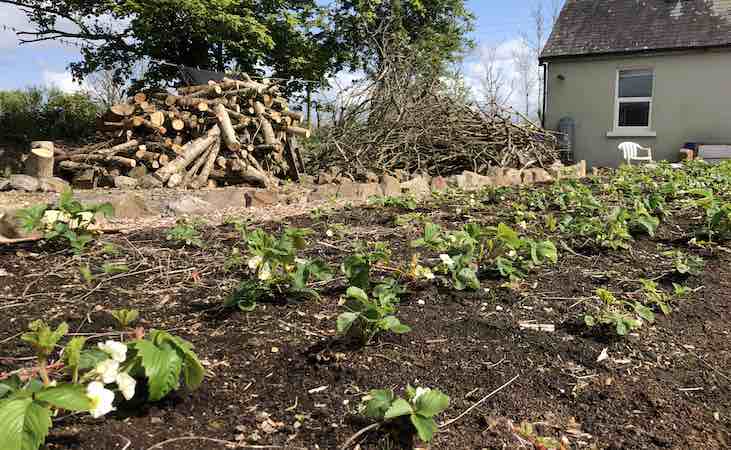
(278,378)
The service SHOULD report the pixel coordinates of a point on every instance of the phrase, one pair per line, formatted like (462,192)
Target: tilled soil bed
(666,386)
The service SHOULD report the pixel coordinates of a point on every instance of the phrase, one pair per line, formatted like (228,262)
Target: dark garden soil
(278,378)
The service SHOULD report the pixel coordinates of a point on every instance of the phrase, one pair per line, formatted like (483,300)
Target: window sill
(631,133)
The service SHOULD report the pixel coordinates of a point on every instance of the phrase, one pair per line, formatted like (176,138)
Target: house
(655,72)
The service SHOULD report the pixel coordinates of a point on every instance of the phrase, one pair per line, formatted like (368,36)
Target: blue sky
(498,21)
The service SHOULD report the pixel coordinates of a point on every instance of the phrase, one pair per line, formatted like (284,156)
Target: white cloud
(13,18)
(63,81)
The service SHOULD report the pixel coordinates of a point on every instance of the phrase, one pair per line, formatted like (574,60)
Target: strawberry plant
(186,232)
(365,316)
(616,313)
(276,269)
(68,222)
(87,380)
(412,415)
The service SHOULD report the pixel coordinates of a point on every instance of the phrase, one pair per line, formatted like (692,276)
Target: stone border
(166,203)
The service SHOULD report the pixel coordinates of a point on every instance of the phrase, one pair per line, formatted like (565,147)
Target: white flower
(512,253)
(424,272)
(329,233)
(126,385)
(265,272)
(107,370)
(447,260)
(420,391)
(254,262)
(523,225)
(421,302)
(101,399)
(117,350)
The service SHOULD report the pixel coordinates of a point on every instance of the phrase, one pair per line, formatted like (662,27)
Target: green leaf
(72,352)
(399,407)
(162,368)
(24,424)
(71,397)
(425,427)
(193,371)
(509,236)
(357,270)
(431,403)
(622,328)
(357,293)
(467,278)
(644,312)
(345,321)
(544,250)
(89,359)
(379,403)
(648,223)
(589,321)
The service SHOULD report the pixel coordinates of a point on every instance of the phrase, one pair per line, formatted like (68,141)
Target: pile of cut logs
(222,133)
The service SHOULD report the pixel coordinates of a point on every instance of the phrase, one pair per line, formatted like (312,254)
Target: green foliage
(365,317)
(403,202)
(186,232)
(42,338)
(48,112)
(615,312)
(125,317)
(277,269)
(684,263)
(357,267)
(67,222)
(420,406)
(165,360)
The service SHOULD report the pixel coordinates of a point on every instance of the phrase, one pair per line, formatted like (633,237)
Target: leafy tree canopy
(292,38)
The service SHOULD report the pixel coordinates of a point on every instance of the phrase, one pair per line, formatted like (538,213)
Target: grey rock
(189,205)
(53,184)
(261,198)
(130,206)
(4,184)
(419,187)
(122,182)
(471,181)
(24,183)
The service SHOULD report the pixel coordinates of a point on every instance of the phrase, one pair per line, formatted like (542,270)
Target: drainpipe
(544,65)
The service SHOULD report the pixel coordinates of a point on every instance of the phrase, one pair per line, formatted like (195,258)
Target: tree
(435,30)
(496,84)
(534,41)
(282,35)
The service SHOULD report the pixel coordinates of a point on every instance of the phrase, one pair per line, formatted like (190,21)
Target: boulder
(371,177)
(364,191)
(25,183)
(471,181)
(324,193)
(260,198)
(189,205)
(512,177)
(419,187)
(53,184)
(130,206)
(4,184)
(122,182)
(541,175)
(324,178)
(390,186)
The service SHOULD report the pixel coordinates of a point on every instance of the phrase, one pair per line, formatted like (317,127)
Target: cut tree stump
(40,160)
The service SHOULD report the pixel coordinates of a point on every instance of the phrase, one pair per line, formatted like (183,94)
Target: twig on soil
(230,444)
(360,433)
(484,399)
(127,444)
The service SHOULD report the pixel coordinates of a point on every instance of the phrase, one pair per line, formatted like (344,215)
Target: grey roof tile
(588,27)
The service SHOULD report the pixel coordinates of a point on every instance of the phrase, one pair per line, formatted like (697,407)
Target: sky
(499,23)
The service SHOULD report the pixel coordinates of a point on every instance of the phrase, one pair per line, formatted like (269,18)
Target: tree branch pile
(227,132)
(399,118)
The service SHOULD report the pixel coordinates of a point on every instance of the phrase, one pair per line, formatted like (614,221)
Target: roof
(592,27)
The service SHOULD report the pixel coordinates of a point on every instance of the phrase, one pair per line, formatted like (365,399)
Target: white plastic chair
(631,151)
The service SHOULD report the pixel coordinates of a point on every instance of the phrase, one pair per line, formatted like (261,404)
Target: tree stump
(40,160)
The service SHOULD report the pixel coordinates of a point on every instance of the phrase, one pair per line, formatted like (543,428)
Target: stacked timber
(222,133)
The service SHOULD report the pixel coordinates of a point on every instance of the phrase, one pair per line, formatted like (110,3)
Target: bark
(40,159)
(190,152)
(202,179)
(227,130)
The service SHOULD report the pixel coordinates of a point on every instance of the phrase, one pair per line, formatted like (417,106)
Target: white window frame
(619,131)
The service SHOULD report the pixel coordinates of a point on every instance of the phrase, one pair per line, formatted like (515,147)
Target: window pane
(634,114)
(635,83)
